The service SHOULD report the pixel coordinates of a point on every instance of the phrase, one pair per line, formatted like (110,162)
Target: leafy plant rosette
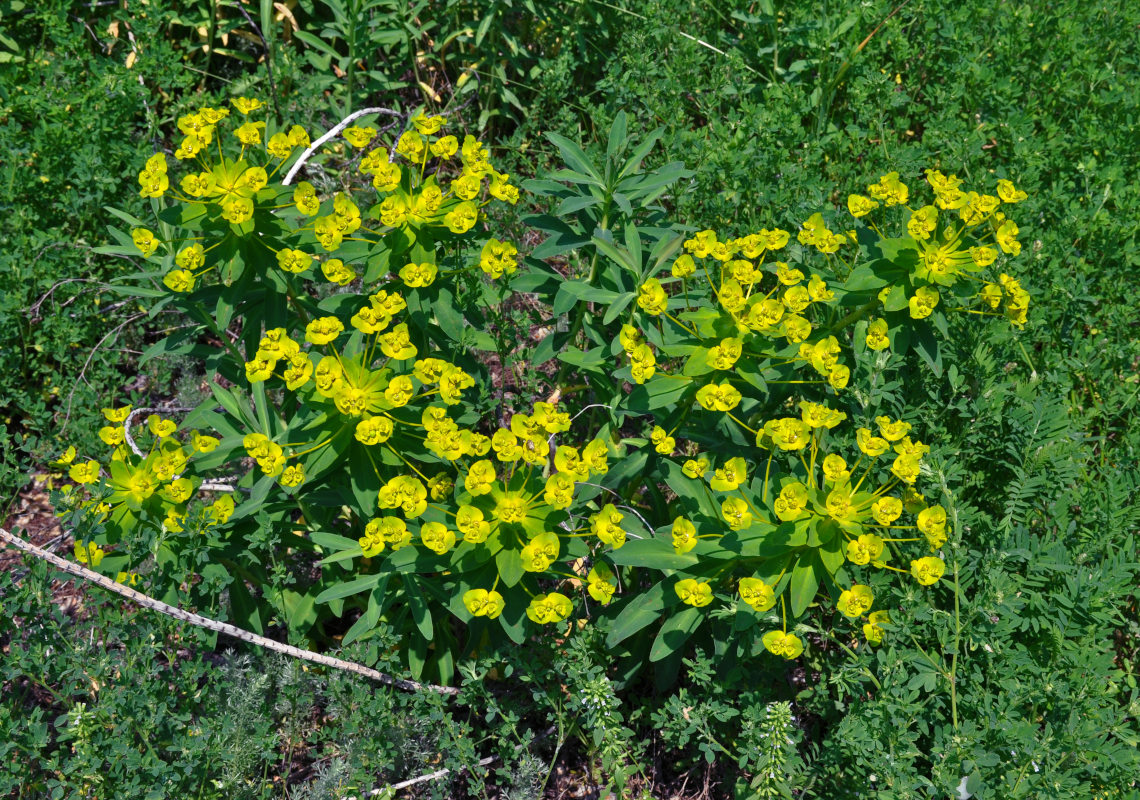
(340,422)
(339,406)
(743,352)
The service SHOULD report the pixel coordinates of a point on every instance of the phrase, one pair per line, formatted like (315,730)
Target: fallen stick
(221,627)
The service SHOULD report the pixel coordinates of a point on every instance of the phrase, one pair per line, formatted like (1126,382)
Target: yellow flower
(201,443)
(249,134)
(601,584)
(795,328)
(867,548)
(246,104)
(498,257)
(295,261)
(117,414)
(790,503)
(1009,193)
(684,266)
(298,137)
(1006,238)
(405,493)
(336,271)
(718,397)
(411,146)
(642,363)
(144,240)
(305,198)
(663,443)
(500,189)
(873,628)
(817,415)
(856,601)
(932,523)
(890,190)
(323,330)
(923,303)
(278,146)
(540,552)
(606,525)
(730,475)
(417,275)
(221,510)
(397,345)
(437,537)
(886,510)
(511,509)
(736,513)
(359,136)
(547,608)
(693,593)
(88,553)
(684,535)
(785,645)
(179,490)
(479,477)
(788,276)
(595,455)
(445,147)
(724,355)
(894,430)
(787,433)
(757,594)
(559,491)
(860,206)
(483,603)
(695,468)
(651,298)
(179,280)
(923,222)
(399,391)
(835,468)
(237,210)
(462,218)
(472,524)
(877,338)
(927,570)
(630,338)
(905,468)
(871,445)
(983,256)
(160,427)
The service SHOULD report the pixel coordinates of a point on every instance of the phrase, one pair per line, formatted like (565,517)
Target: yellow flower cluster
(830,494)
(121,486)
(237,189)
(957,237)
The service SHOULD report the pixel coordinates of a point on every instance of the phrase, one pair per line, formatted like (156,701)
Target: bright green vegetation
(1017,680)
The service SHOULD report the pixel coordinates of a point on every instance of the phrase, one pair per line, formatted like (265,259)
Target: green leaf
(348,588)
(617,254)
(652,553)
(243,607)
(509,562)
(591,361)
(421,614)
(675,632)
(641,611)
(926,344)
(658,392)
(574,157)
(864,279)
(804,585)
(618,306)
(332,541)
